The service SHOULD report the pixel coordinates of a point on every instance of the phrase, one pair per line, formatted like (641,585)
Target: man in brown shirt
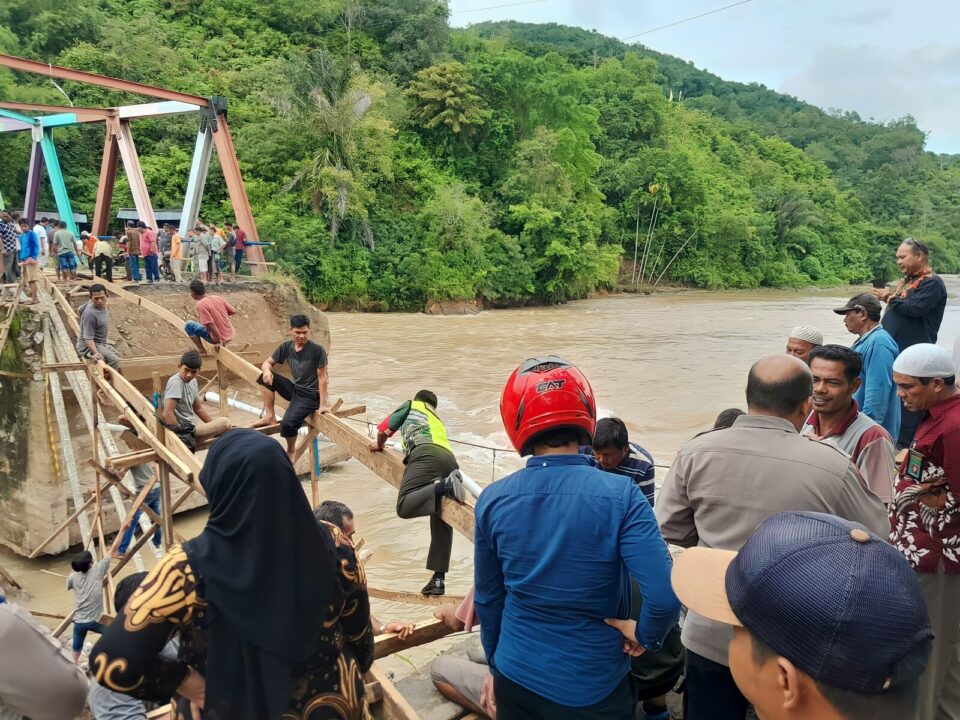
(726,482)
(133,253)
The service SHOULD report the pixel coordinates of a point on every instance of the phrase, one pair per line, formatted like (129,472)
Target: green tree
(444,98)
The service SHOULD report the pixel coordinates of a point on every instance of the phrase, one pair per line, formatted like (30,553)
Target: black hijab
(268,572)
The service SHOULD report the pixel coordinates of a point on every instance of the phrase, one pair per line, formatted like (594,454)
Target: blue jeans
(150,262)
(238,260)
(195,329)
(153,502)
(134,263)
(80,631)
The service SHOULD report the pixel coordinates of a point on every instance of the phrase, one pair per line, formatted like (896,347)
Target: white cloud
(887,82)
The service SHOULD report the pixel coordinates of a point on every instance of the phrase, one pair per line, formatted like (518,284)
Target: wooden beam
(62,367)
(351,411)
(8,578)
(394,703)
(11,311)
(372,693)
(413,598)
(60,528)
(389,643)
(174,453)
(129,459)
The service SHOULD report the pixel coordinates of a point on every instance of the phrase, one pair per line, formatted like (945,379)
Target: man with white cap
(828,620)
(925,516)
(803,339)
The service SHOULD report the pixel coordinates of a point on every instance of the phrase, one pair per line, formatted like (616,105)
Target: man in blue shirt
(877,396)
(614,453)
(555,546)
(29,259)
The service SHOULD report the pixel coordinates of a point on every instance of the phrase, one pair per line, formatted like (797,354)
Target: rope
(491,448)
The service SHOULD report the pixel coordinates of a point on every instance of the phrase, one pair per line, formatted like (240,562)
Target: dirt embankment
(262,319)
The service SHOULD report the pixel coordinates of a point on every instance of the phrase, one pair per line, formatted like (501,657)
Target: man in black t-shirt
(306,392)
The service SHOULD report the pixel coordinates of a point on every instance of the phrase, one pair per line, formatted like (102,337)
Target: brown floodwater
(666,364)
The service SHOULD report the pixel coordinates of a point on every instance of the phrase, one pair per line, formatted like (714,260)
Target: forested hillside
(396,161)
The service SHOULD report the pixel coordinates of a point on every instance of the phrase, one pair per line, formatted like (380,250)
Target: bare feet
(265,421)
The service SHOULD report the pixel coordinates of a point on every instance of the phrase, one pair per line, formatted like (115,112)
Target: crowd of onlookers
(819,567)
(207,251)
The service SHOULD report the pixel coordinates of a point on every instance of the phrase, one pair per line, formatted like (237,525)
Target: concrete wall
(32,497)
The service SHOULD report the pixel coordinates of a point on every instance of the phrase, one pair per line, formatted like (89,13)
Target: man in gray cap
(925,515)
(877,396)
(803,339)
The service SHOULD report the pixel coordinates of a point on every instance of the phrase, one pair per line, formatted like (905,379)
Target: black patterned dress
(169,602)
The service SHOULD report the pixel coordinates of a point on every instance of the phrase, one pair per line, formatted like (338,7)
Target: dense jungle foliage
(396,161)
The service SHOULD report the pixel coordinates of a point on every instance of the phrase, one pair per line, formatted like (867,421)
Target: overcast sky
(880,58)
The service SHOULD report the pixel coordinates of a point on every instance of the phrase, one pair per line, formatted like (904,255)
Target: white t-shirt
(41,232)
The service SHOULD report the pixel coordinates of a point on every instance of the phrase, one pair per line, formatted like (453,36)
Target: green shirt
(64,241)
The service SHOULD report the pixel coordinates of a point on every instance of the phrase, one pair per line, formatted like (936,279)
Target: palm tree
(331,102)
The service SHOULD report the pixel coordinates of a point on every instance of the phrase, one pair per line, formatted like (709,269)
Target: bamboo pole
(676,255)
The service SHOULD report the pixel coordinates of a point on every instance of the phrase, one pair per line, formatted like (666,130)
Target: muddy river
(666,364)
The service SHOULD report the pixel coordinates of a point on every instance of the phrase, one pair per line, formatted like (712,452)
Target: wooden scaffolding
(94,382)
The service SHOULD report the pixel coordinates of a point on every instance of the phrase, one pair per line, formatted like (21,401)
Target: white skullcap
(808,333)
(925,361)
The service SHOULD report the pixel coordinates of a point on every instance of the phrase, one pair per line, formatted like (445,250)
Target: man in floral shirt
(925,516)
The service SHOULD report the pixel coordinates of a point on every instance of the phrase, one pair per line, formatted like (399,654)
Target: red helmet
(546,393)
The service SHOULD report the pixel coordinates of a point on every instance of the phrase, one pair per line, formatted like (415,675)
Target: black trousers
(515,702)
(103,267)
(710,692)
(302,404)
(418,498)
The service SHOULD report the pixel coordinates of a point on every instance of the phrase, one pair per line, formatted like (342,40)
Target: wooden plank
(129,459)
(372,693)
(8,579)
(11,311)
(165,504)
(389,643)
(58,367)
(395,704)
(184,463)
(351,411)
(146,304)
(413,598)
(60,528)
(67,308)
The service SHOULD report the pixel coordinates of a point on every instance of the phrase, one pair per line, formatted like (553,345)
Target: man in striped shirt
(614,453)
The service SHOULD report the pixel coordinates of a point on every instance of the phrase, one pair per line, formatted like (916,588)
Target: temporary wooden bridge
(92,382)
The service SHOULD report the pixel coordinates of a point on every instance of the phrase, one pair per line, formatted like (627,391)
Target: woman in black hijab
(272,612)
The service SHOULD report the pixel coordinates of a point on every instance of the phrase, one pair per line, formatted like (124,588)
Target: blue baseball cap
(838,602)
